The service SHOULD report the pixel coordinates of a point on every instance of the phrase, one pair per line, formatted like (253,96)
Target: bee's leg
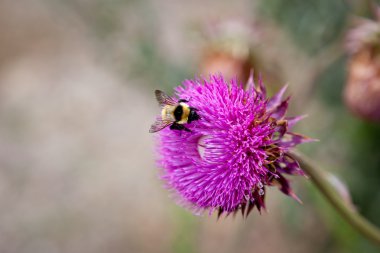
(173,126)
(186,129)
(183,100)
(176,126)
(182,127)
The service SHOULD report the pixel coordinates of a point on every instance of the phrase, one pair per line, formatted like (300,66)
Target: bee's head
(193,115)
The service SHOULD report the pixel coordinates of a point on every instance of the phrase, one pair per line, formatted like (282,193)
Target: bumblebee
(173,113)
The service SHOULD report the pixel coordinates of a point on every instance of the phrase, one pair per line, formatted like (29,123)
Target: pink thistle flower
(362,93)
(238,147)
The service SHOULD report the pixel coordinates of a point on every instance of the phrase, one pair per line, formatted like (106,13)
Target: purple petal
(250,206)
(294,120)
(285,187)
(293,139)
(220,212)
(280,130)
(243,206)
(261,88)
(251,82)
(258,201)
(289,165)
(276,99)
(279,111)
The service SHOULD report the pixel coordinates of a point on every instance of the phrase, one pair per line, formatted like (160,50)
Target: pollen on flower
(238,147)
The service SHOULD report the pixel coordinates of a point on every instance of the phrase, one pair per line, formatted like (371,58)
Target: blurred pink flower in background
(362,92)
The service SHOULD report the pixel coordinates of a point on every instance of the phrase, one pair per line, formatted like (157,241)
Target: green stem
(319,178)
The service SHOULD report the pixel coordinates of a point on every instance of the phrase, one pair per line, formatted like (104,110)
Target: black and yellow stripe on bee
(179,113)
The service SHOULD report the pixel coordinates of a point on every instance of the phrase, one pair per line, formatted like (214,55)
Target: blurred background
(77,170)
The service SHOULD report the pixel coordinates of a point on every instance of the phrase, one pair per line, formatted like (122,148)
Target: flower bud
(227,51)
(362,91)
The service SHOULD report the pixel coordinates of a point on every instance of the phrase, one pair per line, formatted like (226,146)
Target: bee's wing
(159,125)
(164,99)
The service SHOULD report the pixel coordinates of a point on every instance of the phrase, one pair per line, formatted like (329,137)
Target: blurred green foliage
(154,67)
(186,232)
(313,25)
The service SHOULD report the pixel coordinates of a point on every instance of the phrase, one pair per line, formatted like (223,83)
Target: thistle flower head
(362,93)
(365,35)
(238,147)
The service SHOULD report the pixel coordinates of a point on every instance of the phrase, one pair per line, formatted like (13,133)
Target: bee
(173,113)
